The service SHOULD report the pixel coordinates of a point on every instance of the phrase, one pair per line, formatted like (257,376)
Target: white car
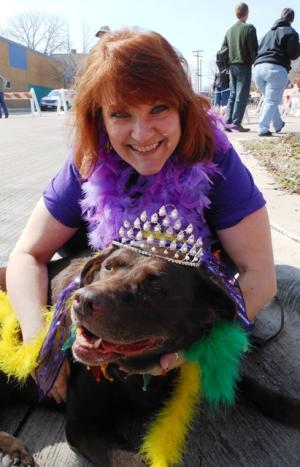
(50,102)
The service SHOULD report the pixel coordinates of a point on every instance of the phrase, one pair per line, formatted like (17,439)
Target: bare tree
(39,31)
(88,38)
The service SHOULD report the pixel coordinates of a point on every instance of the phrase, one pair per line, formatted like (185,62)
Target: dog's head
(132,309)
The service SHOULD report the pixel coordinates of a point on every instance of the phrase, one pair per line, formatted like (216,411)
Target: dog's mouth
(93,350)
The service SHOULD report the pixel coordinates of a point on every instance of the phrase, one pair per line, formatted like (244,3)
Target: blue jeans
(240,81)
(3,105)
(221,97)
(271,80)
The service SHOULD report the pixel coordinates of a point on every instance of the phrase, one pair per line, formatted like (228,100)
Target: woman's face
(145,136)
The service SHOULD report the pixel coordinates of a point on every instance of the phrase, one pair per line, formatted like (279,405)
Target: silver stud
(184,248)
(193,251)
(147,226)
(189,229)
(177,225)
(174,214)
(162,243)
(126,224)
(137,223)
(154,218)
(142,245)
(198,241)
(130,233)
(166,252)
(176,255)
(162,211)
(191,240)
(169,231)
(143,216)
(150,239)
(122,231)
(153,249)
(139,235)
(166,222)
(180,236)
(173,245)
(157,228)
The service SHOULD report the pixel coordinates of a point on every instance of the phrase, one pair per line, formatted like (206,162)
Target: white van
(50,102)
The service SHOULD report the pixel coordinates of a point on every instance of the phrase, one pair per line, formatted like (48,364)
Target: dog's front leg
(99,447)
(90,429)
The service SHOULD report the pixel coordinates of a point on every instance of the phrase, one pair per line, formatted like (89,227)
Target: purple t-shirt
(233,193)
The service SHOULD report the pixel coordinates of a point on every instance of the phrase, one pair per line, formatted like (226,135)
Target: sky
(188,25)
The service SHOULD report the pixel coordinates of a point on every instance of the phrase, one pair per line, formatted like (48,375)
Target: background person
(221,84)
(142,142)
(2,101)
(278,47)
(102,31)
(241,41)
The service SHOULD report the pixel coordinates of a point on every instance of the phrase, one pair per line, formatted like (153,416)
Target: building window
(17,56)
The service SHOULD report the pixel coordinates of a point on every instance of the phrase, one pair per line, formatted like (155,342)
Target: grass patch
(281,157)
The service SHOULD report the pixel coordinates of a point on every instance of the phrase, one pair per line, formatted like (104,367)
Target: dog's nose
(86,301)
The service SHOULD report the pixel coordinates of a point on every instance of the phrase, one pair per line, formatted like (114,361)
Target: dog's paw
(14,452)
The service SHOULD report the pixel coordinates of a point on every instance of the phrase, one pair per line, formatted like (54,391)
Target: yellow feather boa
(163,444)
(18,359)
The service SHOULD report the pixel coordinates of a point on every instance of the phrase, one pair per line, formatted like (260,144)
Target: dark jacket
(221,81)
(241,41)
(279,46)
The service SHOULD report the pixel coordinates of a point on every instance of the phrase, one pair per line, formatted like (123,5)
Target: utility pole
(197,54)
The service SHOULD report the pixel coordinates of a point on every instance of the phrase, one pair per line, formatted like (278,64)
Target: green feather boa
(218,355)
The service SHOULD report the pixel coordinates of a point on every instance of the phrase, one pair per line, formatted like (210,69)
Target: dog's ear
(93,265)
(217,296)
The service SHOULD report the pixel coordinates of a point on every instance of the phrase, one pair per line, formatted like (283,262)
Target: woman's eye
(119,114)
(159,108)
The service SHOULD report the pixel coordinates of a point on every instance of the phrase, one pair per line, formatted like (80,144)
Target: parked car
(49,102)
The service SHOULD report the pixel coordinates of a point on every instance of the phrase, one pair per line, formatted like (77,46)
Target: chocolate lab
(130,310)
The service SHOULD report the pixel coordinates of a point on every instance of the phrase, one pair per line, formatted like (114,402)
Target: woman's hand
(59,389)
(168,362)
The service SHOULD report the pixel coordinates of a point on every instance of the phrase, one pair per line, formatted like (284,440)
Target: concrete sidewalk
(283,207)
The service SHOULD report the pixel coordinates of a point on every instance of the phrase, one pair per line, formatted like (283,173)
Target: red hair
(131,68)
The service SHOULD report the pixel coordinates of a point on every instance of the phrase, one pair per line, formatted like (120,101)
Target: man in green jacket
(241,42)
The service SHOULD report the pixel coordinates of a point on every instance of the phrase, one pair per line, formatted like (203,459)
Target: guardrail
(27,95)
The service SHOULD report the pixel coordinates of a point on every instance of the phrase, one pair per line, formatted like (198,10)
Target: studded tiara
(162,235)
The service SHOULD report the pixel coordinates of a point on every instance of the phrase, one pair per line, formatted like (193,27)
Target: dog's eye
(108,266)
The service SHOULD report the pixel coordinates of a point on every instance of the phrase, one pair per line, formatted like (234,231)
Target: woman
(273,62)
(142,138)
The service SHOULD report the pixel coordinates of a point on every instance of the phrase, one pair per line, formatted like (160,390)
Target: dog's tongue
(125,349)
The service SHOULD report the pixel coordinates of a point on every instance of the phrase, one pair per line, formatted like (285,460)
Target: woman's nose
(142,130)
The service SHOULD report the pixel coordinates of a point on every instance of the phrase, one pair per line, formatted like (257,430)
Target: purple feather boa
(115,192)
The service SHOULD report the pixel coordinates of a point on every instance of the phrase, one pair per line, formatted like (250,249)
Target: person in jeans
(221,84)
(241,41)
(278,47)
(2,101)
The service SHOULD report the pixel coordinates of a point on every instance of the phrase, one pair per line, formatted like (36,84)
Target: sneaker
(267,133)
(278,131)
(240,128)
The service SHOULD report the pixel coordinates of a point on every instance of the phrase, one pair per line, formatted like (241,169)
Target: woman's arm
(27,276)
(249,245)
